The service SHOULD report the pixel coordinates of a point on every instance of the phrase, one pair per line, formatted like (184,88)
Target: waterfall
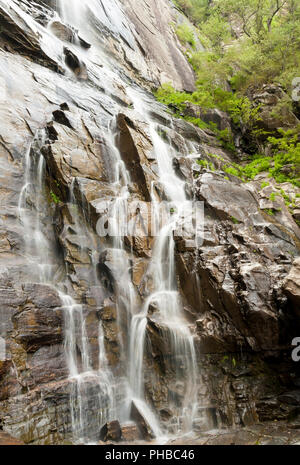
(93,389)
(165,295)
(85,381)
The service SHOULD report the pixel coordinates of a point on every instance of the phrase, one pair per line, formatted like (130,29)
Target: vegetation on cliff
(248,44)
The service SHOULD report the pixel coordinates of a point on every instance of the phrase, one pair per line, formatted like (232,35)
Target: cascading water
(126,295)
(165,297)
(85,382)
(96,385)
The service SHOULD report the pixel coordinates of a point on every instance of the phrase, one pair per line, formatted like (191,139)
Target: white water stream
(84,380)
(165,296)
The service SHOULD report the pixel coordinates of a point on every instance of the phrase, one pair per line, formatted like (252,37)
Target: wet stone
(130,432)
(111,431)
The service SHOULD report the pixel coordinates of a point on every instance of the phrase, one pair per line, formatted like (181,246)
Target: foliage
(206,164)
(169,96)
(226,138)
(240,108)
(256,166)
(231,170)
(264,184)
(269,211)
(268,45)
(194,9)
(287,152)
(186,35)
(247,43)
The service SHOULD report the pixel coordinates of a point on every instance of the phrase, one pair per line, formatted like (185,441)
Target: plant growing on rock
(54,197)
(186,35)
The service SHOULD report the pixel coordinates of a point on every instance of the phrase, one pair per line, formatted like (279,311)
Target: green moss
(235,220)
(269,211)
(217,157)
(206,164)
(54,197)
(286,198)
(273,196)
(264,184)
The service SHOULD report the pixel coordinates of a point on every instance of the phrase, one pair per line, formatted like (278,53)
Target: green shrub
(231,170)
(287,152)
(186,35)
(257,166)
(169,96)
(206,164)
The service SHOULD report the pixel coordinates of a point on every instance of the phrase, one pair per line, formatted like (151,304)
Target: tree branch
(278,7)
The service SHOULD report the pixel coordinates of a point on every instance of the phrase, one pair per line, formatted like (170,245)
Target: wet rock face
(291,286)
(152,22)
(239,288)
(245,257)
(21,37)
(134,147)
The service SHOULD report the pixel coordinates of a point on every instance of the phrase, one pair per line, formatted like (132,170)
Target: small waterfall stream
(165,295)
(85,382)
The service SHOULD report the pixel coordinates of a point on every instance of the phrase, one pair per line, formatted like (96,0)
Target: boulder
(75,64)
(111,431)
(209,115)
(130,432)
(139,418)
(62,31)
(269,96)
(134,145)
